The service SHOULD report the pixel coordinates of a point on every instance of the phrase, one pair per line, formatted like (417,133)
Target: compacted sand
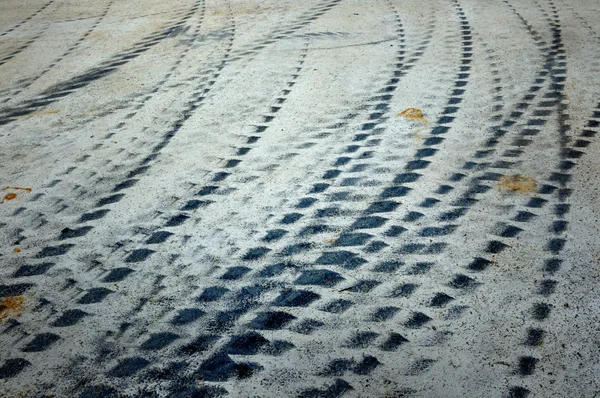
(282,198)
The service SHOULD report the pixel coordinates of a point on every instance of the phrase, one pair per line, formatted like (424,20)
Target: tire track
(23,85)
(70,171)
(42,33)
(46,339)
(366,318)
(461,202)
(58,251)
(438,300)
(452,190)
(448,218)
(205,195)
(58,91)
(143,166)
(92,289)
(137,315)
(23,47)
(583,21)
(510,231)
(23,22)
(54,93)
(558,180)
(366,139)
(462,281)
(365,270)
(160,336)
(127,361)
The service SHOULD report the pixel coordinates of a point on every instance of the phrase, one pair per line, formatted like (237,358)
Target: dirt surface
(318,198)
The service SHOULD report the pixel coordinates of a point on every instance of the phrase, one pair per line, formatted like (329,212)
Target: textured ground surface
(210,198)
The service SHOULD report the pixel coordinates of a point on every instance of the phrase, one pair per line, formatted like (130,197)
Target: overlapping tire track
(41,32)
(143,167)
(70,170)
(36,269)
(54,93)
(204,72)
(555,192)
(59,250)
(265,314)
(22,47)
(525,365)
(131,361)
(26,20)
(146,159)
(145,310)
(477,186)
(25,83)
(328,274)
(166,337)
(462,281)
(105,68)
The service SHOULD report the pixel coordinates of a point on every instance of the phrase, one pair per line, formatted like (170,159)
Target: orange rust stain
(17,189)
(517,184)
(413,114)
(13,195)
(38,113)
(17,250)
(11,307)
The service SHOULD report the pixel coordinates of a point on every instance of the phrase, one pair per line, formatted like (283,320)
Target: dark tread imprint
(12,367)
(131,366)
(107,67)
(269,291)
(68,51)
(29,18)
(561,176)
(254,343)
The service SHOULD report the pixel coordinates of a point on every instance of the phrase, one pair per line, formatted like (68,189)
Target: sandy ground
(317,198)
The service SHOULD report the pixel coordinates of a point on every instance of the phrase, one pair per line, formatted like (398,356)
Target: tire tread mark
(296,297)
(70,50)
(18,25)
(56,92)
